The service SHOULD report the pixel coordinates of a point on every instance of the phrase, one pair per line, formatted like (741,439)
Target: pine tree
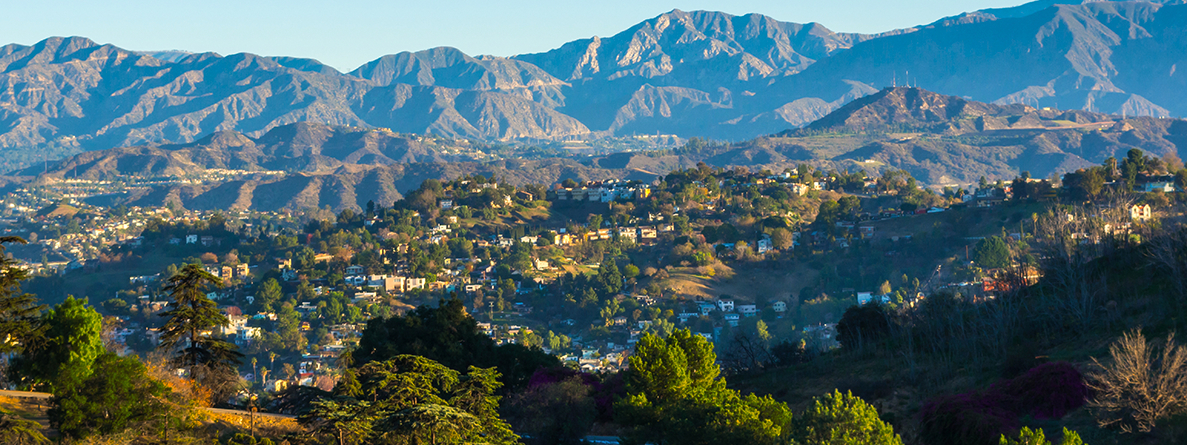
(842,419)
(190,313)
(19,311)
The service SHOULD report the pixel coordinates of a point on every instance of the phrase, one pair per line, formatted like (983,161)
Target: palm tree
(253,367)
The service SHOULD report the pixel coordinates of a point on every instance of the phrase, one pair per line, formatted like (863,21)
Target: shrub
(1141,384)
(1035,437)
(1047,391)
(863,325)
(968,419)
(842,419)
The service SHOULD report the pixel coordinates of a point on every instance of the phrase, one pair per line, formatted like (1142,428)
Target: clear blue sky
(348,33)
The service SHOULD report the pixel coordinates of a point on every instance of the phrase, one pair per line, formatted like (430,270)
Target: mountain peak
(906,107)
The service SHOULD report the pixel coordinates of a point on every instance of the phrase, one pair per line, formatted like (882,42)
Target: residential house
(414,283)
(732,319)
(779,306)
(725,305)
(1165,184)
(1140,212)
(706,307)
(191,239)
(355,270)
(764,244)
(865,297)
(748,310)
(628,233)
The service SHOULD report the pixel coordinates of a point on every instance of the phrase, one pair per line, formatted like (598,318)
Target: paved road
(44,396)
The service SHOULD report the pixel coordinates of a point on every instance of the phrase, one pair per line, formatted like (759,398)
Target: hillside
(941,140)
(698,73)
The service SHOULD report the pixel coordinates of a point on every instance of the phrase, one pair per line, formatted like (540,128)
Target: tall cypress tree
(190,313)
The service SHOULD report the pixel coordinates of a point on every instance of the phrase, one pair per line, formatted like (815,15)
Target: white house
(725,305)
(355,270)
(748,310)
(1140,212)
(732,319)
(414,283)
(779,307)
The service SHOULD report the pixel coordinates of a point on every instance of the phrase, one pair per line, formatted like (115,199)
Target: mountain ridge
(942,140)
(698,73)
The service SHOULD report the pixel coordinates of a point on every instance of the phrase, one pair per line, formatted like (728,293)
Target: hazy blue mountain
(698,73)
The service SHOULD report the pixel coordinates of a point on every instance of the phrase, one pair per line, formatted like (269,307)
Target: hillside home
(725,305)
(765,244)
(732,319)
(355,270)
(1165,184)
(779,307)
(748,310)
(706,307)
(1140,212)
(414,283)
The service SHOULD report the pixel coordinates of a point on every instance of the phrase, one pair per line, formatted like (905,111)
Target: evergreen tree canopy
(191,312)
(837,419)
(117,393)
(992,253)
(449,336)
(412,398)
(71,342)
(676,397)
(18,310)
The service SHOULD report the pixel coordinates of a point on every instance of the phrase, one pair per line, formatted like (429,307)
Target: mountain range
(699,73)
(941,140)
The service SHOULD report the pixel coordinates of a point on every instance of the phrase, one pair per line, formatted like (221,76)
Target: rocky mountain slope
(941,140)
(698,73)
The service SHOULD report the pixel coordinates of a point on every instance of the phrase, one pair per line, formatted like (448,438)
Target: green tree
(674,396)
(842,419)
(992,253)
(17,431)
(447,335)
(555,413)
(609,277)
(268,295)
(1035,437)
(18,310)
(419,399)
(189,314)
(117,393)
(70,345)
(345,419)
